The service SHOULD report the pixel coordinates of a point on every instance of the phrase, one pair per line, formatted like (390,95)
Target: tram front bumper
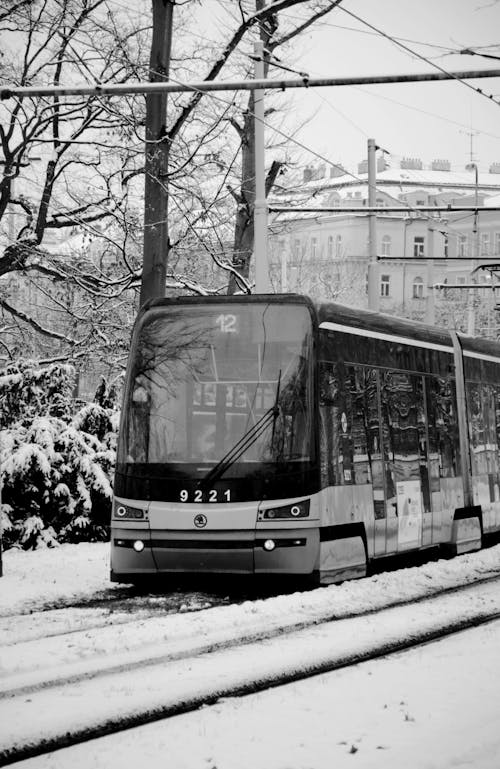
(131,554)
(279,551)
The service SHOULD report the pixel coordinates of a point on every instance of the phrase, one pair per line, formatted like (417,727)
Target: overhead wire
(419,55)
(320,156)
(298,143)
(301,144)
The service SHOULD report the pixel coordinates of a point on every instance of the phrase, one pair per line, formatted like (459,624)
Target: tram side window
(477,429)
(489,409)
(365,427)
(482,427)
(403,416)
(336,421)
(443,427)
(497,422)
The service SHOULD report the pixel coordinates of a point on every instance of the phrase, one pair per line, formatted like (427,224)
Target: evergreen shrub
(57,458)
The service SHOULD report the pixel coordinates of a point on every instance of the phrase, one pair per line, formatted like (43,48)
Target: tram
(269,434)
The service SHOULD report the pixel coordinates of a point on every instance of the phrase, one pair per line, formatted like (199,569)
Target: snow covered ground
(434,706)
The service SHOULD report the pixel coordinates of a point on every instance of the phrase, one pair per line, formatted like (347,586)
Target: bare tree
(64,165)
(86,188)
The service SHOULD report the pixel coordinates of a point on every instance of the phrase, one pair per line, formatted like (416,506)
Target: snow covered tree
(56,464)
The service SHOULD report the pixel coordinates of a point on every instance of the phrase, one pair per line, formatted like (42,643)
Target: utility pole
(262,282)
(373,267)
(156,242)
(430,307)
(471,311)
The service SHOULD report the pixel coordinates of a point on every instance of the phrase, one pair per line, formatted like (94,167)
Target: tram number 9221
(210,496)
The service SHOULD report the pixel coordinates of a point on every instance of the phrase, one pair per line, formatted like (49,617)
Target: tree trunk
(156,242)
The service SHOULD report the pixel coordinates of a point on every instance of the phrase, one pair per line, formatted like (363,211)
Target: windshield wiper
(244,443)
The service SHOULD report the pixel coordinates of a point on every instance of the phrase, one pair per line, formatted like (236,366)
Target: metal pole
(239,85)
(471,312)
(262,282)
(430,308)
(373,267)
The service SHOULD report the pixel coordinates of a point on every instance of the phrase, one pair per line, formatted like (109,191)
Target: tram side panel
(389,442)
(482,391)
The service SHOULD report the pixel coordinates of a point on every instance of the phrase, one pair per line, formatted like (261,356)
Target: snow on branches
(56,460)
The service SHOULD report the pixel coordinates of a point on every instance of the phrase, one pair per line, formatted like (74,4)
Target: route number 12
(227,324)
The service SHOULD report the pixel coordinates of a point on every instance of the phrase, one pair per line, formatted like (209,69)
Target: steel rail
(393,639)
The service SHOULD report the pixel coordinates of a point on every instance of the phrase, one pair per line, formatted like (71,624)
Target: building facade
(326,254)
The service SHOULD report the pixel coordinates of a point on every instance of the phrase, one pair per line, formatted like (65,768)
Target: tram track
(96,648)
(169,685)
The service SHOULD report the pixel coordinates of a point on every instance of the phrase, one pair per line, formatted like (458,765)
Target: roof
(401,177)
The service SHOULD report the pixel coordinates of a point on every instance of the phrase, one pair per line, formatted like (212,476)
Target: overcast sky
(426,120)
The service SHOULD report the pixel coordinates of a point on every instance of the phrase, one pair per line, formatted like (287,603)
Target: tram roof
(480,346)
(342,315)
(389,325)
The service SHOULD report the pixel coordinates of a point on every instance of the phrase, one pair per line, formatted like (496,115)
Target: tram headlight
(269,545)
(138,546)
(123,512)
(295,510)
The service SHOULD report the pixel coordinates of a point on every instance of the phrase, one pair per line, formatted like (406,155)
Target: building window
(445,246)
(485,243)
(338,245)
(385,282)
(296,248)
(386,245)
(418,246)
(330,246)
(497,243)
(418,288)
(314,248)
(462,245)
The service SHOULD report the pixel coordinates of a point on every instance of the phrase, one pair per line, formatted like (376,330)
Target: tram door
(405,450)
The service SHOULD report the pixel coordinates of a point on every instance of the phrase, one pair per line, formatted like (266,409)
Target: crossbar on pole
(240,85)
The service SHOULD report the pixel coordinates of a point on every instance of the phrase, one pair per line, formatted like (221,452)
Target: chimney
(441,165)
(414,164)
(495,168)
(308,174)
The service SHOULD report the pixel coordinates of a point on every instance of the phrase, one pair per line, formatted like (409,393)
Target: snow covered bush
(56,464)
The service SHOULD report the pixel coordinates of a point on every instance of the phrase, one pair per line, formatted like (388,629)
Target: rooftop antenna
(471,135)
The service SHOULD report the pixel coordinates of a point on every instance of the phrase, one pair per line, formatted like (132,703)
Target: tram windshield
(220,386)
